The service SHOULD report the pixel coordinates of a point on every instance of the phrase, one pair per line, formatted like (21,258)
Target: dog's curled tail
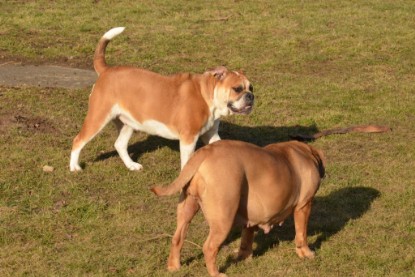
(186,175)
(100,64)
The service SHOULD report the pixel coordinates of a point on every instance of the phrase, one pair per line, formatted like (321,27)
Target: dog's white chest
(208,125)
(210,122)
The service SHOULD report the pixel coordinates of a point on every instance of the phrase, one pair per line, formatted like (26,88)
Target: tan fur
(182,106)
(237,183)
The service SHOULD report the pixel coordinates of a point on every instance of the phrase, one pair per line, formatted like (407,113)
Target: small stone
(48,168)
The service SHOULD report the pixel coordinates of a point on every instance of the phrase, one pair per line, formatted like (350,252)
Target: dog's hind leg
(247,239)
(220,214)
(218,232)
(186,210)
(118,124)
(121,145)
(95,120)
(301,217)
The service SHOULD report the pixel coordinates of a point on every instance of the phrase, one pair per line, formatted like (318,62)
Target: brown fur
(237,183)
(182,106)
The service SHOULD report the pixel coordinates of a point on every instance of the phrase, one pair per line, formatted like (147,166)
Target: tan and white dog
(182,106)
(238,183)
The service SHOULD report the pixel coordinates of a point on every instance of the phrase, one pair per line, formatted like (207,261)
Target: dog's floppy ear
(219,72)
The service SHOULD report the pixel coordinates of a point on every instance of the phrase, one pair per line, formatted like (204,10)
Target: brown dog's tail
(100,64)
(186,175)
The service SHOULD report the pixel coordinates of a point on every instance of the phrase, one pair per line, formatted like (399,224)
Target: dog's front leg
(187,147)
(212,134)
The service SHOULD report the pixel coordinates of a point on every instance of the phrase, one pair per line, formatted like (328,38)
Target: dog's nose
(249,97)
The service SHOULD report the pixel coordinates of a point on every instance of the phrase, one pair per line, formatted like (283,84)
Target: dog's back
(299,150)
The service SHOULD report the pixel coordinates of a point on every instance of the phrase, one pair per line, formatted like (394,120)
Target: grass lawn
(314,64)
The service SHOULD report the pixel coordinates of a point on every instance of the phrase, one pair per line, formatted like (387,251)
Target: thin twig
(164,235)
(11,62)
(216,19)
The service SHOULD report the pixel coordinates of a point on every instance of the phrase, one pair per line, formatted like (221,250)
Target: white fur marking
(152,127)
(211,135)
(220,102)
(73,165)
(214,138)
(121,145)
(209,123)
(113,33)
(186,151)
(239,104)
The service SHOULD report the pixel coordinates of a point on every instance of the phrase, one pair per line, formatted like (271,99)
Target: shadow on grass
(329,215)
(260,135)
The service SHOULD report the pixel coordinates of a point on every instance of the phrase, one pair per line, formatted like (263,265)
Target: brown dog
(237,183)
(181,106)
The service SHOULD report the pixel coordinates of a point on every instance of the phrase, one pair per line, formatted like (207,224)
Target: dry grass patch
(314,66)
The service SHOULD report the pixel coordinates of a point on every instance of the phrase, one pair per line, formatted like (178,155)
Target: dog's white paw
(75,168)
(134,166)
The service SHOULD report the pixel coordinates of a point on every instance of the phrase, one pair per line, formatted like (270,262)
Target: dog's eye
(238,89)
(251,88)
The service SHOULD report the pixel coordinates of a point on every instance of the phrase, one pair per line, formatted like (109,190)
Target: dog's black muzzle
(249,98)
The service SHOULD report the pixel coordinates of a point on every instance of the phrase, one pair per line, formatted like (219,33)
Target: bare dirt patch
(18,75)
(34,123)
(27,123)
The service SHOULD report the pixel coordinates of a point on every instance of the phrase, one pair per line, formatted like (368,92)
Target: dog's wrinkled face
(233,92)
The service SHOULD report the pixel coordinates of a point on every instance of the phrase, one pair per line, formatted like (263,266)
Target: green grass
(314,64)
